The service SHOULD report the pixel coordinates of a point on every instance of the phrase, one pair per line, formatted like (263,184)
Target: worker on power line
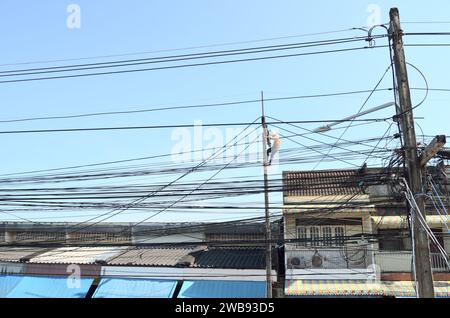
(275,147)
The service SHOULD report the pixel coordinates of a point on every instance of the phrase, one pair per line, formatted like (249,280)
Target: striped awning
(359,288)
(402,221)
(316,208)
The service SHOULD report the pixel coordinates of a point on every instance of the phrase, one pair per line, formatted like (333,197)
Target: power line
(189,65)
(426,33)
(175,58)
(142,198)
(174,181)
(312,148)
(233,103)
(178,49)
(172,126)
(160,170)
(426,22)
(309,132)
(360,109)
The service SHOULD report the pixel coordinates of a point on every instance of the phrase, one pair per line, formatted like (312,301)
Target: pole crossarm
(432,149)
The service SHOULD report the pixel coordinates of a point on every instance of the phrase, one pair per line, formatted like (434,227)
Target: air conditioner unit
(296,262)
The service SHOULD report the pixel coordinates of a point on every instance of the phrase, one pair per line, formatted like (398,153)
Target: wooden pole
(414,168)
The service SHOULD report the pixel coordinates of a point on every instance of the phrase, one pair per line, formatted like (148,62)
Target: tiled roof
(321,183)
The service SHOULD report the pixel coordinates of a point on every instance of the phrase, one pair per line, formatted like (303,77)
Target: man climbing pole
(272,150)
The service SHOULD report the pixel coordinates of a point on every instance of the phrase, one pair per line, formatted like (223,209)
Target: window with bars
(339,235)
(224,237)
(104,237)
(39,236)
(302,235)
(327,236)
(320,236)
(315,235)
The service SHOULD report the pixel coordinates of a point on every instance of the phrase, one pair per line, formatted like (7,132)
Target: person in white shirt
(275,146)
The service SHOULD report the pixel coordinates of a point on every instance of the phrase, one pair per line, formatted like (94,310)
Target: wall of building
(174,238)
(188,273)
(446,240)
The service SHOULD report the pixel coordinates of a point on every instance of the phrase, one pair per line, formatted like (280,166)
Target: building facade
(347,233)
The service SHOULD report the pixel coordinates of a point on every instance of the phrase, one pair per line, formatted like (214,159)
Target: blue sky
(37,31)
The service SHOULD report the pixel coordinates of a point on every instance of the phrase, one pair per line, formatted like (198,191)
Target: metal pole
(266,203)
(421,246)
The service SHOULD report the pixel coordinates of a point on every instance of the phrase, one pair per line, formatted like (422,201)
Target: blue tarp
(222,289)
(15,286)
(134,288)
(7,284)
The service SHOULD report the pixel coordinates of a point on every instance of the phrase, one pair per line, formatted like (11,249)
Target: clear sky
(33,31)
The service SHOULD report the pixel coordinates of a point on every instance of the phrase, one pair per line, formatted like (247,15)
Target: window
(339,235)
(302,235)
(315,236)
(320,235)
(327,236)
(109,237)
(390,240)
(31,236)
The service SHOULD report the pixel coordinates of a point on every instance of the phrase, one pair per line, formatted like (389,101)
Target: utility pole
(266,203)
(414,168)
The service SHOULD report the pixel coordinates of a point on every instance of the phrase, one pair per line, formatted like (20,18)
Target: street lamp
(371,110)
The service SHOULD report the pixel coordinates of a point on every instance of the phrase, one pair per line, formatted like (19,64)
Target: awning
(222,289)
(396,222)
(7,284)
(15,286)
(305,209)
(134,288)
(359,288)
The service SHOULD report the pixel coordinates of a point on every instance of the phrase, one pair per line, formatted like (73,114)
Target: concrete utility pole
(266,203)
(414,168)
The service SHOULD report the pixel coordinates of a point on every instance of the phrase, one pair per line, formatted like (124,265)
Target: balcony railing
(401,261)
(356,257)
(327,258)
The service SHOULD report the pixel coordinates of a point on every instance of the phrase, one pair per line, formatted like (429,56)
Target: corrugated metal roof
(16,254)
(202,257)
(152,256)
(32,269)
(188,256)
(239,258)
(77,255)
